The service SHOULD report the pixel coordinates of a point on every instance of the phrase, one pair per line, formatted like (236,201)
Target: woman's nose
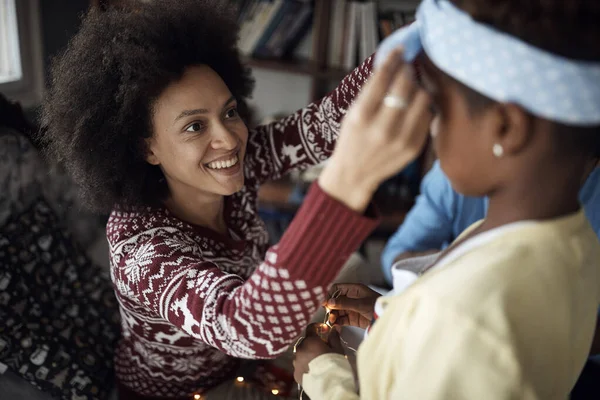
(223,138)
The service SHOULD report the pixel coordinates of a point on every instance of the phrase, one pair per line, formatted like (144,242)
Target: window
(21,64)
(10,55)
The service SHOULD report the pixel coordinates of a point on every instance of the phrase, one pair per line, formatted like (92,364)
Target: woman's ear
(512,128)
(151,156)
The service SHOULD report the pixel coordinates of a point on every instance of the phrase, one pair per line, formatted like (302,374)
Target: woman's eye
(231,113)
(195,127)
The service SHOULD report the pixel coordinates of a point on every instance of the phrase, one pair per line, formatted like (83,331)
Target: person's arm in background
(589,197)
(428,226)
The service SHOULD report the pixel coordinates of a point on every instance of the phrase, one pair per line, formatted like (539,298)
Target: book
(336,33)
(368,27)
(247,23)
(321,32)
(351,39)
(262,23)
(259,49)
(254,26)
(298,30)
(293,24)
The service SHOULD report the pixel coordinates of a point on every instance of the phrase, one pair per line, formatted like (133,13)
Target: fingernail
(331,302)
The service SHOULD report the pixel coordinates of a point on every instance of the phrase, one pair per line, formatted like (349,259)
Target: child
(509,310)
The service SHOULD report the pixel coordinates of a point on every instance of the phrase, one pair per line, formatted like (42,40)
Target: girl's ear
(512,128)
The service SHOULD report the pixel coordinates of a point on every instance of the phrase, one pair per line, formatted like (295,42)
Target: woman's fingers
(417,122)
(335,341)
(353,319)
(397,100)
(332,318)
(349,289)
(376,87)
(362,305)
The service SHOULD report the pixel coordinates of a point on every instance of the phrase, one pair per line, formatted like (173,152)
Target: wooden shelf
(298,67)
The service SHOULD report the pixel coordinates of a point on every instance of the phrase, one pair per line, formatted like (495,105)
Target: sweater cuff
(322,237)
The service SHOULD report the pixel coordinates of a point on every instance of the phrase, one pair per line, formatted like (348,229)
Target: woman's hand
(311,347)
(378,138)
(354,305)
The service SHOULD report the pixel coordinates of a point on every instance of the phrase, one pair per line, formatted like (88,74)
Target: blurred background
(298,49)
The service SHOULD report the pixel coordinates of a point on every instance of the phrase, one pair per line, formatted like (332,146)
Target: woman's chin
(230,181)
(232,187)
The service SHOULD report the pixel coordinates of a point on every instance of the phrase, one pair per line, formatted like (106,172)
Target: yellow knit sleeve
(422,348)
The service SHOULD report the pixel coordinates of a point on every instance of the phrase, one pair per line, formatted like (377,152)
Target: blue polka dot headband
(501,66)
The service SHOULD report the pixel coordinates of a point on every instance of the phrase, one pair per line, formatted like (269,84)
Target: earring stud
(498,150)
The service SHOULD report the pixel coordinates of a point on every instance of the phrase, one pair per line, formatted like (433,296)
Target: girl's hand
(313,346)
(354,305)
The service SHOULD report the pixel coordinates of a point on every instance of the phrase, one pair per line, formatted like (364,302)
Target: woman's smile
(228,165)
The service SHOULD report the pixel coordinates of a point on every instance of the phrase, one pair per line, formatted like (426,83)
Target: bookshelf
(270,30)
(297,67)
(344,32)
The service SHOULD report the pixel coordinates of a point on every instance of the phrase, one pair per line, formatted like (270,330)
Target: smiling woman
(146,112)
(200,150)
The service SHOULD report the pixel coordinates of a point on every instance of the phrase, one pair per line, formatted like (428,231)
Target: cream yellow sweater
(509,314)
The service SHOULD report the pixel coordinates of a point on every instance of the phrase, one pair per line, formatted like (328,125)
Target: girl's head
(483,144)
(146,101)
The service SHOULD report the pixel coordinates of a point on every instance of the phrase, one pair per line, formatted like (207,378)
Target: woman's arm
(257,318)
(308,136)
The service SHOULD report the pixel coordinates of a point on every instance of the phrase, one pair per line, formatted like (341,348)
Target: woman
(144,110)
(509,310)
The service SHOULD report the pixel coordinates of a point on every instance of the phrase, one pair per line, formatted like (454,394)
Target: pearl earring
(498,150)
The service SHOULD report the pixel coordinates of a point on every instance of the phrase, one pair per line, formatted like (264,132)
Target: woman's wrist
(346,187)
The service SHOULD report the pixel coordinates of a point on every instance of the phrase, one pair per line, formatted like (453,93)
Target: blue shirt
(440,215)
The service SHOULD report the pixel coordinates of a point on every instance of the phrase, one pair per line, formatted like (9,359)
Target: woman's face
(199,139)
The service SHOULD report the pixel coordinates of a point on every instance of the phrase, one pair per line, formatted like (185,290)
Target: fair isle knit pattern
(193,301)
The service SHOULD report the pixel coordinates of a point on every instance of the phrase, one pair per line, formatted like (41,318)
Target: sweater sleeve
(308,136)
(259,317)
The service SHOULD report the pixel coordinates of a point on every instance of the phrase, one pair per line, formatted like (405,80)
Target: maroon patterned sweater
(193,301)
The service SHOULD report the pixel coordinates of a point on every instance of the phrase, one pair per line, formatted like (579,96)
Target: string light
(327,314)
(335,295)
(240,379)
(197,396)
(275,391)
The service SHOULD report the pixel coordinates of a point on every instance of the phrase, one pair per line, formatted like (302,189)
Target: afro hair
(98,108)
